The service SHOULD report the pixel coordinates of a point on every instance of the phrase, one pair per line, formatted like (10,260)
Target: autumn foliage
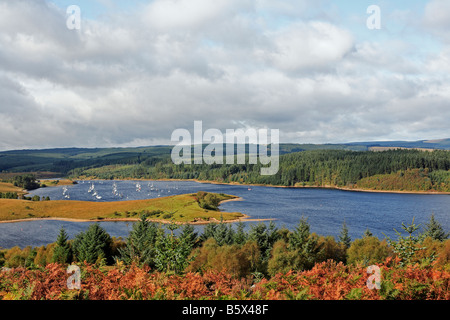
(325,281)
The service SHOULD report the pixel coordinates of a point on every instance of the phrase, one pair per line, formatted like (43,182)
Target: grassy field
(54,183)
(9,187)
(180,208)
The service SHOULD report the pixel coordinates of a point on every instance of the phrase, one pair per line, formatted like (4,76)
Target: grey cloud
(133,80)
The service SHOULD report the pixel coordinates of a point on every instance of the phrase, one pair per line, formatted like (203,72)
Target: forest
(230,262)
(342,166)
(409,170)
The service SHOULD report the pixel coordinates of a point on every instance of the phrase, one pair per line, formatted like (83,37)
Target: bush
(326,281)
(331,250)
(368,251)
(239,261)
(444,255)
(208,201)
(9,195)
(168,215)
(434,250)
(27,181)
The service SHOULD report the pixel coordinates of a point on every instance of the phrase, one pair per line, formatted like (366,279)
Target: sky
(137,70)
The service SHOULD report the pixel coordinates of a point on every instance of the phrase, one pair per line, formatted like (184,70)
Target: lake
(325,209)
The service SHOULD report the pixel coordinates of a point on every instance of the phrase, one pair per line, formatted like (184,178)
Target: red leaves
(326,281)
(334,281)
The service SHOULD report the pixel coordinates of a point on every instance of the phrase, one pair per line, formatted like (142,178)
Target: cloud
(304,46)
(191,15)
(437,15)
(132,78)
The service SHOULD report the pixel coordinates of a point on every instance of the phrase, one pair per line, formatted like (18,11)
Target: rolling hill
(59,161)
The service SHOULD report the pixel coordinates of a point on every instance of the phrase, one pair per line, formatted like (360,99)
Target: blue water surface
(325,209)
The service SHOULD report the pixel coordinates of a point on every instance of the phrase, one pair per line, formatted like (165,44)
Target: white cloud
(185,15)
(133,79)
(437,14)
(436,18)
(310,45)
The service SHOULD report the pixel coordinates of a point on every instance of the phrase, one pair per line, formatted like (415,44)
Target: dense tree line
(263,250)
(8,195)
(26,181)
(409,180)
(308,168)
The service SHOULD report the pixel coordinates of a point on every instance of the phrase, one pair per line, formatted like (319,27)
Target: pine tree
(62,252)
(189,236)
(171,252)
(406,247)
(93,245)
(221,234)
(301,251)
(300,235)
(272,234)
(434,230)
(140,244)
(258,233)
(240,236)
(209,231)
(344,238)
(367,233)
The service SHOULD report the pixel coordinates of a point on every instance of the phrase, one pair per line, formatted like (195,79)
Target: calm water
(325,209)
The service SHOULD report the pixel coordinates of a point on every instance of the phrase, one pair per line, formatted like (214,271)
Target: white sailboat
(115,192)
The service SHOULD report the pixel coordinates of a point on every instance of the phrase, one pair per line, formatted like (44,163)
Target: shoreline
(244,218)
(393,191)
(278,186)
(319,187)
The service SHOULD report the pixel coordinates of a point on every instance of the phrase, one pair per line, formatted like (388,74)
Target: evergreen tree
(63,251)
(258,233)
(220,234)
(140,244)
(189,236)
(265,237)
(93,245)
(367,233)
(240,236)
(434,230)
(224,233)
(406,247)
(209,231)
(272,234)
(344,238)
(304,245)
(172,253)
(300,235)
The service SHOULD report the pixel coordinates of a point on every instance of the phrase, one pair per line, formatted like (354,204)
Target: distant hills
(443,144)
(62,160)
